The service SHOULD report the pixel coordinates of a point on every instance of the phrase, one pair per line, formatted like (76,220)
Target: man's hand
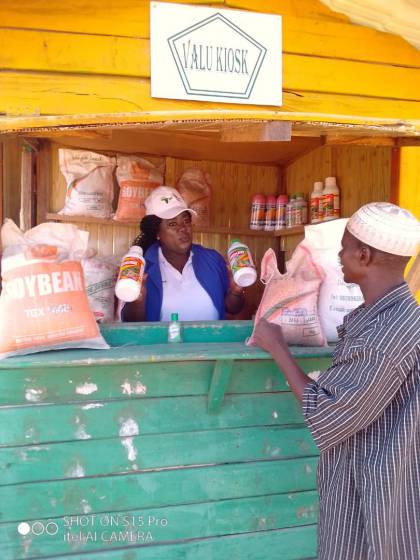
(269,337)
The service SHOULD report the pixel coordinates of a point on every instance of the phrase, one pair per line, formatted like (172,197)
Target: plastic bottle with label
(257,212)
(290,213)
(330,200)
(316,202)
(174,329)
(241,264)
(303,206)
(296,211)
(270,213)
(281,205)
(130,276)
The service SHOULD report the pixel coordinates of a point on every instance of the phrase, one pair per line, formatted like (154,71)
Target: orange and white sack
(100,274)
(136,177)
(336,298)
(194,186)
(291,299)
(90,183)
(43,303)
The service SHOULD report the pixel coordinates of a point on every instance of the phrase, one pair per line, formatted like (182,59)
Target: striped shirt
(364,415)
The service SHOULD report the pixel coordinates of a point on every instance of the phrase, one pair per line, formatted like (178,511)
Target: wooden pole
(27,210)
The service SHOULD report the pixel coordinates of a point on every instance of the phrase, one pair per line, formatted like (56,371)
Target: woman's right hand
(135,311)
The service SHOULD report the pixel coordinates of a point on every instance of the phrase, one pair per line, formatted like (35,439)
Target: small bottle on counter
(270,213)
(257,212)
(174,329)
(241,264)
(281,205)
(330,200)
(316,202)
(130,276)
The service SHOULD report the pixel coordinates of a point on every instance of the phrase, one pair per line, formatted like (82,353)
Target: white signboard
(208,54)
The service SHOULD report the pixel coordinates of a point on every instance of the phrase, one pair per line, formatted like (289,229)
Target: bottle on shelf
(316,202)
(130,276)
(302,204)
(270,213)
(174,329)
(257,221)
(281,205)
(330,200)
(289,212)
(296,211)
(241,264)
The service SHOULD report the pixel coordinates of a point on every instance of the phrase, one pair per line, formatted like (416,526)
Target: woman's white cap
(386,227)
(166,203)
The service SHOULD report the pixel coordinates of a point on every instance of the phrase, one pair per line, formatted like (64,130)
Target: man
(364,411)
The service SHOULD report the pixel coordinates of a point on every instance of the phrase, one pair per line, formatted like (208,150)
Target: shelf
(216,229)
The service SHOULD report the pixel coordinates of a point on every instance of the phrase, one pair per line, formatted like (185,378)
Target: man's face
(350,259)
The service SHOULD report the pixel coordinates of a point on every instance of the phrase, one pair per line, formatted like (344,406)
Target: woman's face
(176,234)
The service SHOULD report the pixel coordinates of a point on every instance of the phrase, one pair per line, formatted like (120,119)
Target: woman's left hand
(233,287)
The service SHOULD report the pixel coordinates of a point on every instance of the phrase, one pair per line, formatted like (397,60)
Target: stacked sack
(43,303)
(311,299)
(90,184)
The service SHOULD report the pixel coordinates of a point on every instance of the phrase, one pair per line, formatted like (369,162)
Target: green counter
(154,451)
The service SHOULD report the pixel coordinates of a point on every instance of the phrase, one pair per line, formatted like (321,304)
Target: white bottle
(130,276)
(330,200)
(241,264)
(316,202)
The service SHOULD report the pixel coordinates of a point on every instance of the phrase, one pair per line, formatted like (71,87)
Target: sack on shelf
(43,303)
(90,185)
(194,186)
(336,298)
(291,299)
(136,177)
(100,274)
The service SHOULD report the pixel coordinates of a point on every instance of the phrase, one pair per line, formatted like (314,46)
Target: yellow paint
(130,18)
(87,59)
(22,49)
(117,99)
(301,8)
(61,52)
(342,40)
(109,17)
(326,75)
(409,186)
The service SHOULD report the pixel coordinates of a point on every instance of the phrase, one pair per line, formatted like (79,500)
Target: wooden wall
(364,174)
(77,60)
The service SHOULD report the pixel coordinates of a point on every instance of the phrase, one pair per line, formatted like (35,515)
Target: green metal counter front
(159,451)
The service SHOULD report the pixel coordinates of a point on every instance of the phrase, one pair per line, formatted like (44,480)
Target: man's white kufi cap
(386,227)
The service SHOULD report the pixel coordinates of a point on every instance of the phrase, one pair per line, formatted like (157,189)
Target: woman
(180,277)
